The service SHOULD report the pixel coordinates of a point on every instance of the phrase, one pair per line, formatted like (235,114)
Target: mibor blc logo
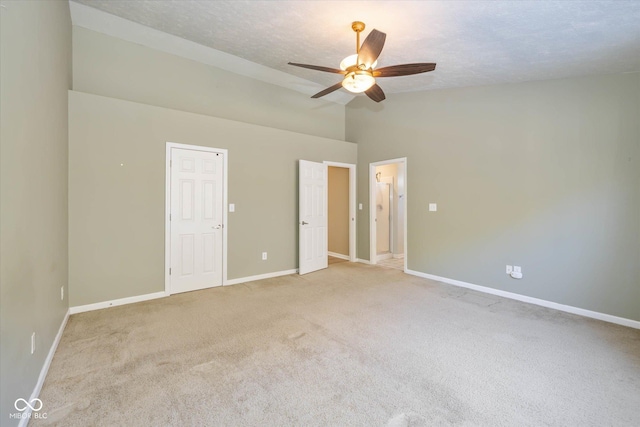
(34,406)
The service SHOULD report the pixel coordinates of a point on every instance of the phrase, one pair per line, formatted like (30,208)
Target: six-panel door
(313,216)
(196,219)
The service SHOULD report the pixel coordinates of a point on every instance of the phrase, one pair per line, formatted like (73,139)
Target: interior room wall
(391,171)
(338,202)
(108,66)
(542,175)
(35,74)
(116,213)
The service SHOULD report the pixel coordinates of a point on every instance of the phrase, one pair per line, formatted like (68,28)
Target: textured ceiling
(473,42)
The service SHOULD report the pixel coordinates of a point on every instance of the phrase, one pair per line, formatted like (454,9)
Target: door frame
(167,209)
(352,205)
(372,211)
(390,181)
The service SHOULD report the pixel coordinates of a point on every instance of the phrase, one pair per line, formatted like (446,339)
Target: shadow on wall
(551,238)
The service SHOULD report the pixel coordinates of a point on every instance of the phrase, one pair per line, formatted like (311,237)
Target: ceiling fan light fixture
(358,81)
(358,69)
(351,61)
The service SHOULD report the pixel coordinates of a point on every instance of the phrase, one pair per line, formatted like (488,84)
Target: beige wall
(104,65)
(116,213)
(543,175)
(35,74)
(338,210)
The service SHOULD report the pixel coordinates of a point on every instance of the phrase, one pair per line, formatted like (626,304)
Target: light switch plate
(232,207)
(360,206)
(433,207)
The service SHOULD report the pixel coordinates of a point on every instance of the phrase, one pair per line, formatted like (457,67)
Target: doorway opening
(387,208)
(314,225)
(341,212)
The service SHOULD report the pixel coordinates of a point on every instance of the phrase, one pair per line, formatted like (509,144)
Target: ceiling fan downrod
(358,27)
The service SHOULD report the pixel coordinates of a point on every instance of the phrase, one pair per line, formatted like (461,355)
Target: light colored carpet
(333,260)
(352,345)
(397,263)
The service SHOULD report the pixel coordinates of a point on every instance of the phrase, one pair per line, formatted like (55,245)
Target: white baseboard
(544,303)
(382,257)
(117,302)
(26,415)
(363,261)
(337,255)
(260,277)
(147,297)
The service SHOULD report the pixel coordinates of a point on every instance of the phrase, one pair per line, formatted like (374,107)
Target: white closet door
(196,219)
(313,213)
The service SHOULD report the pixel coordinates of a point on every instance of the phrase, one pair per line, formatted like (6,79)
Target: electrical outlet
(33,343)
(509,269)
(517,269)
(62,293)
(264,256)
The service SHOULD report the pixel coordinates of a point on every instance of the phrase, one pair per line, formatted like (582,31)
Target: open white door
(313,216)
(196,219)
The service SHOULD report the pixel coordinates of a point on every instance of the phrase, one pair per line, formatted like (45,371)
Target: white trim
(337,255)
(114,26)
(167,212)
(260,277)
(382,257)
(544,303)
(372,216)
(352,205)
(363,261)
(116,302)
(167,223)
(405,187)
(45,369)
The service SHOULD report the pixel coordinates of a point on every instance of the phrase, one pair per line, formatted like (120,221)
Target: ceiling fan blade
(328,90)
(375,92)
(404,70)
(319,68)
(371,48)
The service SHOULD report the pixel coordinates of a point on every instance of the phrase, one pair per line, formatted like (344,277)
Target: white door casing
(313,216)
(196,219)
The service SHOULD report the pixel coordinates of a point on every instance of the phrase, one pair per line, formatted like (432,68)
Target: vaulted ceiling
(473,42)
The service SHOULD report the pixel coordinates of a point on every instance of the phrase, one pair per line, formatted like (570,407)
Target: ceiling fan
(360,71)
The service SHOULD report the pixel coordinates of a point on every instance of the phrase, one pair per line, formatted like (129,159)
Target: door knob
(217,227)
(305,223)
